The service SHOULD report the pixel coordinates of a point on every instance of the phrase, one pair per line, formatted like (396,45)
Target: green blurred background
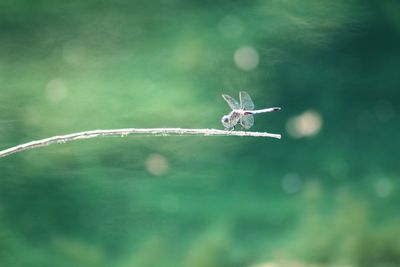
(327,194)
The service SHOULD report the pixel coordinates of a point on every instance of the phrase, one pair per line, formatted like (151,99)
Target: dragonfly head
(226,122)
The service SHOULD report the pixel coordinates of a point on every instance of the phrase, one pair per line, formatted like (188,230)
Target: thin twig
(128,131)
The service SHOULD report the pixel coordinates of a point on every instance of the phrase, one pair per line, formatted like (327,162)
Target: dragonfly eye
(225,119)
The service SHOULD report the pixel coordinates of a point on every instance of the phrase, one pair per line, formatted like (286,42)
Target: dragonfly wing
(231,102)
(245,101)
(247,121)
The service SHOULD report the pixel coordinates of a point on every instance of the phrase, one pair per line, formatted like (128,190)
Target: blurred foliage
(325,195)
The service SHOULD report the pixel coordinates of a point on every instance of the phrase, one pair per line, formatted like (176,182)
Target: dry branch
(128,131)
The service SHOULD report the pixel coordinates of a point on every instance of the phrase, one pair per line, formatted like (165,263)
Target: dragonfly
(242,112)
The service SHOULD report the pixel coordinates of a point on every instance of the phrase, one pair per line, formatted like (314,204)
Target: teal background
(329,197)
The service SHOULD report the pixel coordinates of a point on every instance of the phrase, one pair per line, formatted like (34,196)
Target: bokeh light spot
(291,183)
(383,187)
(157,164)
(56,90)
(306,124)
(246,58)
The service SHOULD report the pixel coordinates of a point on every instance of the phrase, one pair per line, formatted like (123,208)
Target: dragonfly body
(242,112)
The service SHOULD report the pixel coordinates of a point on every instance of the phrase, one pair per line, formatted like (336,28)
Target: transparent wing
(231,102)
(245,101)
(247,121)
